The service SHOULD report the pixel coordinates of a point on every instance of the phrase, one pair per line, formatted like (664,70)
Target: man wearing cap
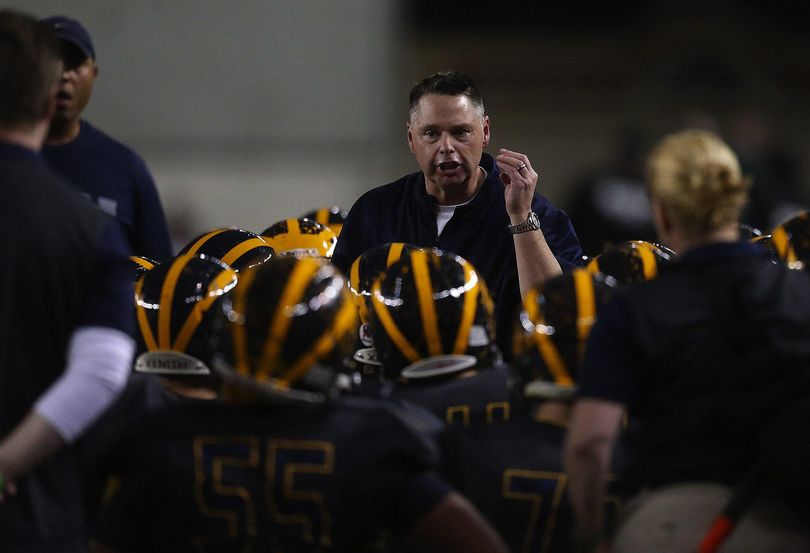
(111,174)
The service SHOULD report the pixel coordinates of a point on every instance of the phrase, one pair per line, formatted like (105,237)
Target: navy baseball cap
(71,31)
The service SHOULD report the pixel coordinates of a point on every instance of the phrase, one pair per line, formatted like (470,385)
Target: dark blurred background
(253,111)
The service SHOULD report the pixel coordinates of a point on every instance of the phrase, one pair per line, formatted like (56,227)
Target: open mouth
(448,165)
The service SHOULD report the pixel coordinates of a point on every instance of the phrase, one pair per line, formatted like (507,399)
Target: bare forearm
(535,262)
(587,469)
(29,443)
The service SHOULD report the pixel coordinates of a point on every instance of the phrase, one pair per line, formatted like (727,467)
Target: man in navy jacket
(462,200)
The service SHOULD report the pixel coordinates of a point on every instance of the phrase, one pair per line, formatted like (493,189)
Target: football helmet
(549,338)
(766,241)
(631,261)
(286,329)
(237,248)
(370,265)
(173,305)
(791,240)
(302,237)
(142,265)
(431,315)
(748,232)
(332,217)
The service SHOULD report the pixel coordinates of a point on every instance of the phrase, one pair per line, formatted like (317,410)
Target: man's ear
(485,121)
(410,138)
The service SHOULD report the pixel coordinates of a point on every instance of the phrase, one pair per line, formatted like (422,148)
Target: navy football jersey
(482,398)
(513,474)
(208,476)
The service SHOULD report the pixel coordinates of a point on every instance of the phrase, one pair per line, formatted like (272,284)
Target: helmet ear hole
(430,305)
(286,330)
(550,333)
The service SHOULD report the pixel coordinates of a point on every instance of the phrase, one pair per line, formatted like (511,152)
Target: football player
(301,237)
(237,248)
(332,217)
(791,241)
(173,303)
(362,274)
(283,463)
(513,472)
(631,261)
(432,322)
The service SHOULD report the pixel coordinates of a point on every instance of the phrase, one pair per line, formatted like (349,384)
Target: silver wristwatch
(532,222)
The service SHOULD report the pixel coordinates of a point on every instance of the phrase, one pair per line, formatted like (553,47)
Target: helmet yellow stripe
(142,262)
(586,303)
(240,351)
(344,321)
(390,326)
(468,310)
(427,307)
(322,216)
(781,244)
(357,295)
(648,264)
(223,281)
(166,300)
(548,351)
(394,253)
(203,239)
(293,291)
(239,250)
(354,275)
(593,266)
(143,321)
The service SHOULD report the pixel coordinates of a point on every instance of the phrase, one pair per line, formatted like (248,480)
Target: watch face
(534,220)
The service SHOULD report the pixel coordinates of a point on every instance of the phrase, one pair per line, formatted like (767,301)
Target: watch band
(532,222)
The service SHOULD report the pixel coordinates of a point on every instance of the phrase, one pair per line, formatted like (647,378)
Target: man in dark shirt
(465,201)
(65,307)
(111,174)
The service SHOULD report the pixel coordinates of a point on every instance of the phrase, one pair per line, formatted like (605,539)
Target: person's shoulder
(392,192)
(98,139)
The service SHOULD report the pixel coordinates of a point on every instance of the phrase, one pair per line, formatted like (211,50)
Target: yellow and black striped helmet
(286,329)
(302,237)
(237,248)
(332,217)
(791,241)
(173,304)
(370,265)
(549,338)
(142,265)
(631,261)
(431,305)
